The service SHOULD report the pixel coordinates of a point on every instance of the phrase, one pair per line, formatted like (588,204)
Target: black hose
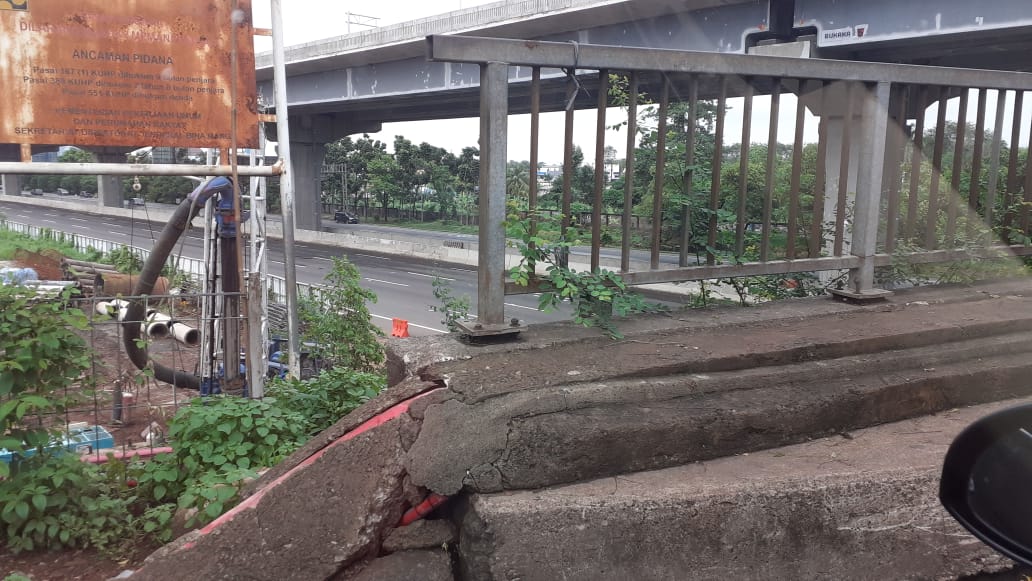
(181,217)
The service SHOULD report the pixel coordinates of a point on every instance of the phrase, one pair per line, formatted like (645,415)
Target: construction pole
(286,185)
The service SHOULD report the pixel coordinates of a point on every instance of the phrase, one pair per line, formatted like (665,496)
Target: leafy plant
(454,308)
(125,259)
(338,322)
(55,501)
(225,433)
(596,296)
(326,398)
(40,356)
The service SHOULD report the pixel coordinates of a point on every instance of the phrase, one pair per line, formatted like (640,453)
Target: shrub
(326,398)
(338,324)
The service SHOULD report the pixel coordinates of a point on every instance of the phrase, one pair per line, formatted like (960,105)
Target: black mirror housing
(986,482)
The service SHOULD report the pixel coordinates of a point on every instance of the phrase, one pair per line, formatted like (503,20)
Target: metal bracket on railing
(571,73)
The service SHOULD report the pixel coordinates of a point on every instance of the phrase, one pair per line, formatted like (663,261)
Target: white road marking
(429,275)
(385,282)
(78,220)
(371,256)
(321,258)
(521,306)
(49,221)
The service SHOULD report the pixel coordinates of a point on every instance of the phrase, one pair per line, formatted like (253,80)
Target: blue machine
(80,439)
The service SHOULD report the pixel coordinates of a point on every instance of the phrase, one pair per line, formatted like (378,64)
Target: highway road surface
(402,284)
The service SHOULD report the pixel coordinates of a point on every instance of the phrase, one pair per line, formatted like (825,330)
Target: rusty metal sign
(126,73)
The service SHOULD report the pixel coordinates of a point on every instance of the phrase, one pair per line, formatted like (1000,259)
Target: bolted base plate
(474,329)
(867,296)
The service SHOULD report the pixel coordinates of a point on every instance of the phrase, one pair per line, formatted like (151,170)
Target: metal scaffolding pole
(286,184)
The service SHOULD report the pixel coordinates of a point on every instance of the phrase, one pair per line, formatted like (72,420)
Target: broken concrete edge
(409,391)
(672,352)
(189,540)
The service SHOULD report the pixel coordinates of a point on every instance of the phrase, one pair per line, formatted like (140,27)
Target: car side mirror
(986,481)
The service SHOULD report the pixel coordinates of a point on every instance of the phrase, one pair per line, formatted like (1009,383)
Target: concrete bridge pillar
(12,184)
(109,188)
(306,164)
(309,135)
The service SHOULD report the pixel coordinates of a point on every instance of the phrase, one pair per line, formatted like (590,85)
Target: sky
(310,20)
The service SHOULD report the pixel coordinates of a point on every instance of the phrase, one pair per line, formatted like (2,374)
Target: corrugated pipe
(432,501)
(163,246)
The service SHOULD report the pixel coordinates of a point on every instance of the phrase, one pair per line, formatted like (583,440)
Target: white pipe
(155,330)
(185,334)
(156,317)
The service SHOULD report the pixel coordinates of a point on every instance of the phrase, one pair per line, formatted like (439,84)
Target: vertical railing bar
(658,182)
(797,167)
(1012,166)
(718,153)
(571,92)
(953,200)
(976,163)
(532,178)
(600,168)
(1027,194)
(994,166)
(820,177)
(494,117)
(843,177)
(772,146)
(916,162)
(689,172)
(896,146)
(869,181)
(628,174)
(932,219)
(743,169)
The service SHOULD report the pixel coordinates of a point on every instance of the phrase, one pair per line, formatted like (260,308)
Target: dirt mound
(47,264)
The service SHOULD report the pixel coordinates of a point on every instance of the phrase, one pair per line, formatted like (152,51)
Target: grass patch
(437,226)
(12,241)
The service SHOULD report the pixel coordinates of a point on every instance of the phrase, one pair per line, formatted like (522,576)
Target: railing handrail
(480,50)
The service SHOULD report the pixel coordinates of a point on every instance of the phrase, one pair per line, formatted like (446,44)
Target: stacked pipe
(90,275)
(155,324)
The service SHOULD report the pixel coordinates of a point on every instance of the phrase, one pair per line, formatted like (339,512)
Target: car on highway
(37,192)
(62,192)
(85,194)
(344,217)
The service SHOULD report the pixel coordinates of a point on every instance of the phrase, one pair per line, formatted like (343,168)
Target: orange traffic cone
(400,328)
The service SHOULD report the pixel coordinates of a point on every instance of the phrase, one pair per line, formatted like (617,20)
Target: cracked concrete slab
(857,507)
(328,512)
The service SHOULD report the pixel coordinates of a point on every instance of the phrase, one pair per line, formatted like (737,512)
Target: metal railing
(879,166)
(192,267)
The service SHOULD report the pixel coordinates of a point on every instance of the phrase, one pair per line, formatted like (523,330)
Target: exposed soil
(63,565)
